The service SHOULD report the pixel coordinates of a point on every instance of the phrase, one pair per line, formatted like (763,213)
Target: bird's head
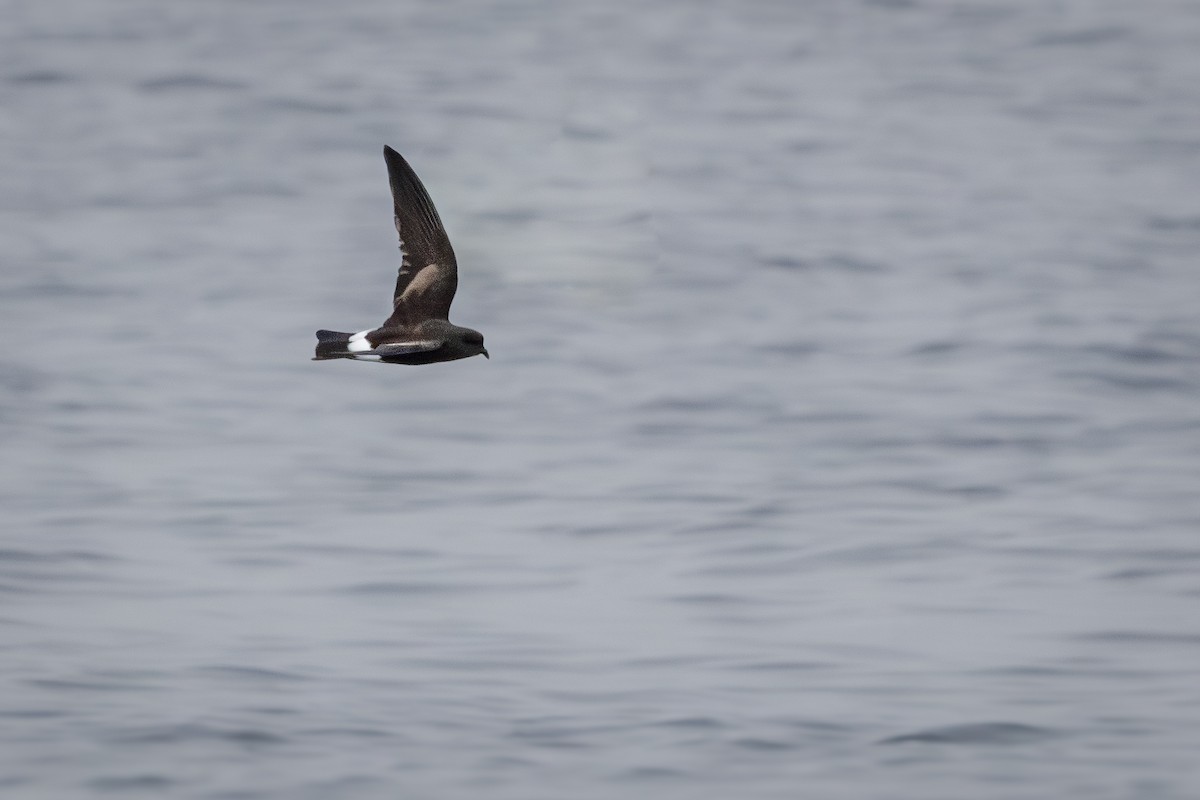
(472,342)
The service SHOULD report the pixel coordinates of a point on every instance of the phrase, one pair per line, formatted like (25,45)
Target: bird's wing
(401,348)
(428,272)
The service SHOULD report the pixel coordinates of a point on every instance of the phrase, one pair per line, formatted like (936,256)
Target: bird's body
(419,330)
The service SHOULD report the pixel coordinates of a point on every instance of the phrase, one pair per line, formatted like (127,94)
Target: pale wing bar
(401,348)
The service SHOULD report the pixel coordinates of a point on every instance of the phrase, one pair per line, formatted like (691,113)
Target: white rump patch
(358,342)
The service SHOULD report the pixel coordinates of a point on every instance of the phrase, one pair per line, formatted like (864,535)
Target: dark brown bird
(419,330)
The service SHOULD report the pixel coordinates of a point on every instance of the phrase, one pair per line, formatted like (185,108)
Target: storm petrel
(419,330)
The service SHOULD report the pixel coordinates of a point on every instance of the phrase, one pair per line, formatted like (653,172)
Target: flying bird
(419,330)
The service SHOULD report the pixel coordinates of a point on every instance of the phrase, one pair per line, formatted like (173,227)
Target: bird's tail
(332,344)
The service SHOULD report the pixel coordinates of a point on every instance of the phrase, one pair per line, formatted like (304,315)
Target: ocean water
(841,436)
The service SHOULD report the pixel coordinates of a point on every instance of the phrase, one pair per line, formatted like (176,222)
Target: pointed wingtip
(395,162)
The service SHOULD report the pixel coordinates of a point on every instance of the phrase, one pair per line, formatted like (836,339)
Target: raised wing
(428,272)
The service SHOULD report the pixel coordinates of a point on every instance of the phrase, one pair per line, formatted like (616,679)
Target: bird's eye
(473,338)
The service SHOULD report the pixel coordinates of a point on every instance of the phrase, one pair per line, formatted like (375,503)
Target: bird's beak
(485,355)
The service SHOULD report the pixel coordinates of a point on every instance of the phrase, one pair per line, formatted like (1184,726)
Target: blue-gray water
(841,437)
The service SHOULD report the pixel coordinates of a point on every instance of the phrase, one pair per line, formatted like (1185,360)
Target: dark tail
(331,344)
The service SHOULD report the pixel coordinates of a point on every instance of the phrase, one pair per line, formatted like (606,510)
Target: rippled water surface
(841,437)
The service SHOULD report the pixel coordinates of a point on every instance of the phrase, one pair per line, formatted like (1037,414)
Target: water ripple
(982,733)
(193,732)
